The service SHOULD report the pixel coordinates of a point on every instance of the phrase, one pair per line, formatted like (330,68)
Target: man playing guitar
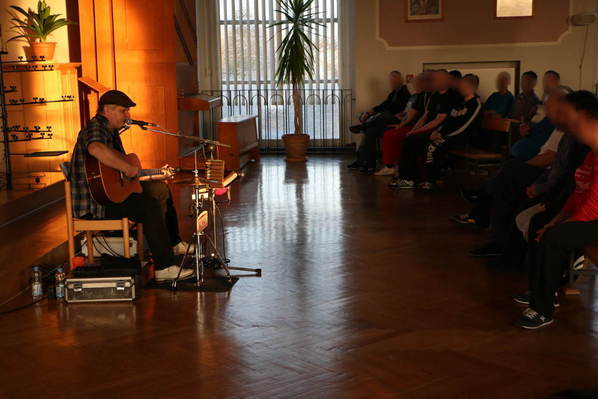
(153,206)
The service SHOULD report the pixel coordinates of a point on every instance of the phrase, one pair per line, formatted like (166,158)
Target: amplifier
(100,289)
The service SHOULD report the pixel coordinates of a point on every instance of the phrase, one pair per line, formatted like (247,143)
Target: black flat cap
(116,97)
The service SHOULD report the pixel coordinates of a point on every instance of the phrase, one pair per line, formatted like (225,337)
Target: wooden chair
(75,226)
(591,258)
(476,156)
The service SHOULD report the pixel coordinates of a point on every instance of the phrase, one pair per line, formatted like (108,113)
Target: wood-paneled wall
(129,45)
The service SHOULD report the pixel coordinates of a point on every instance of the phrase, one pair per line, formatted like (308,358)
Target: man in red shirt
(576,226)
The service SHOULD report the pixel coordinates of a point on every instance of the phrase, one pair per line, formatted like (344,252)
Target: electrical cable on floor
(23,306)
(27,288)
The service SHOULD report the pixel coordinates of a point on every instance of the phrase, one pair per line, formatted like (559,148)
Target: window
(514,8)
(248,46)
(248,64)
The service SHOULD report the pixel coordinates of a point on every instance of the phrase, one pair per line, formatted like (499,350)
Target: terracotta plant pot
(295,146)
(39,50)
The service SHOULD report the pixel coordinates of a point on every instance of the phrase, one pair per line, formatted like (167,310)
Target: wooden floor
(366,293)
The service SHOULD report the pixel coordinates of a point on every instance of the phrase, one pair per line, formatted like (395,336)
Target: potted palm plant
(295,64)
(35,26)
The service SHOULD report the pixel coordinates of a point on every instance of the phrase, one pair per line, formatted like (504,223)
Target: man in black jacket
(374,123)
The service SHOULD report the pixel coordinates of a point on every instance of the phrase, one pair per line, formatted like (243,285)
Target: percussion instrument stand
(197,198)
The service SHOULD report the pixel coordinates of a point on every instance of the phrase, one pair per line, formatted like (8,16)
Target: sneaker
(170,273)
(394,182)
(354,165)
(385,171)
(181,248)
(524,298)
(405,184)
(356,129)
(578,264)
(367,170)
(487,251)
(532,320)
(426,186)
(464,218)
(474,196)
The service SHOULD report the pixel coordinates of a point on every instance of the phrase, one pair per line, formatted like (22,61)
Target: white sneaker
(579,263)
(385,171)
(406,184)
(170,273)
(181,248)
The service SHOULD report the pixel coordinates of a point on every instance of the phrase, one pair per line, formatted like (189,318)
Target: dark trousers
(552,258)
(437,154)
(155,209)
(507,189)
(412,156)
(375,127)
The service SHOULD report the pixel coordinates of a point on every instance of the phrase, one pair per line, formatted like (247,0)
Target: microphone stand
(194,247)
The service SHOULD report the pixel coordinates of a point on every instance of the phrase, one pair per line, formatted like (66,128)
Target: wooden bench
(240,132)
(477,156)
(591,258)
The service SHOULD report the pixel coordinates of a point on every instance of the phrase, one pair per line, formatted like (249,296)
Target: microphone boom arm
(184,136)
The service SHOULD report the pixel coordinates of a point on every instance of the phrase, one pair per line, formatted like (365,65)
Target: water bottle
(36,279)
(59,277)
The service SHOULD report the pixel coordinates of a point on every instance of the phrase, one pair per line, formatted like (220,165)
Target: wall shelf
(34,149)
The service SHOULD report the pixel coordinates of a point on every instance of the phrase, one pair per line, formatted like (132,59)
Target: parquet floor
(366,293)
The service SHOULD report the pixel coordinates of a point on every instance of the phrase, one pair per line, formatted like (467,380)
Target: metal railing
(327,114)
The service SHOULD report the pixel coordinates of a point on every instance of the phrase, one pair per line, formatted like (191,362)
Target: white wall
(15,47)
(373,59)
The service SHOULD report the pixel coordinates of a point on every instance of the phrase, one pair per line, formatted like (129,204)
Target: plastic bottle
(36,279)
(59,278)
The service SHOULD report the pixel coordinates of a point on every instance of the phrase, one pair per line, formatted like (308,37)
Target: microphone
(139,123)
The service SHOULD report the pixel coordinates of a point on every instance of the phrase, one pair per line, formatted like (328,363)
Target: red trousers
(392,144)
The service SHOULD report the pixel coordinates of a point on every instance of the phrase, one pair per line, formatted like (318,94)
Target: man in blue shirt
(501,101)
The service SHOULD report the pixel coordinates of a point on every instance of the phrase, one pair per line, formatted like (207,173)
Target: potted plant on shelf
(295,64)
(35,27)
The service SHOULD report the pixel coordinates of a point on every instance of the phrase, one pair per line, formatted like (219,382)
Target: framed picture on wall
(424,10)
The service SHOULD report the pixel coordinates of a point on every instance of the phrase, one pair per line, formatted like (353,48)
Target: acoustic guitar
(111,186)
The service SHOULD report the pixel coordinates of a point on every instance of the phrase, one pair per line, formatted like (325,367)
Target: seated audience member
(456,129)
(575,227)
(455,77)
(507,190)
(373,126)
(551,81)
(500,102)
(551,190)
(393,138)
(439,106)
(534,134)
(526,103)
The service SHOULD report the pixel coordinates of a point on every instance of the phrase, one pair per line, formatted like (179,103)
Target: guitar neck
(150,172)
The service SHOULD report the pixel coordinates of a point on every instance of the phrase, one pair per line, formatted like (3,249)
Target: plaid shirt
(96,130)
